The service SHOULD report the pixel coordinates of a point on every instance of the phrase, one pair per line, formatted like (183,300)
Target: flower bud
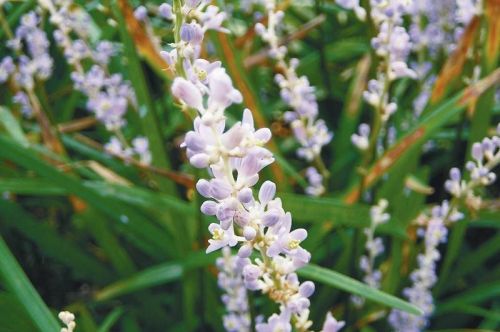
(187,92)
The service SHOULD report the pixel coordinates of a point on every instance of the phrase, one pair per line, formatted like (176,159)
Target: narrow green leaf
(154,276)
(478,311)
(20,286)
(108,242)
(111,319)
(9,308)
(140,230)
(340,281)
(52,244)
(12,126)
(319,209)
(27,186)
(473,295)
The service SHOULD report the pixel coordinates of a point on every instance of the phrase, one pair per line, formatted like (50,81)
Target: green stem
(179,19)
(5,25)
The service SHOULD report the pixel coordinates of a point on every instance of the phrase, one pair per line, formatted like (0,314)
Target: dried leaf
(455,63)
(145,46)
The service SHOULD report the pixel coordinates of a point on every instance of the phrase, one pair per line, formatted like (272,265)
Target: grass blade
(320,209)
(111,320)
(20,286)
(53,244)
(12,126)
(139,229)
(340,281)
(473,295)
(153,276)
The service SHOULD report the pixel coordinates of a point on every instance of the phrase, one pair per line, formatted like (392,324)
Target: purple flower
(331,324)
(275,323)
(221,238)
(7,67)
(165,10)
(141,13)
(187,93)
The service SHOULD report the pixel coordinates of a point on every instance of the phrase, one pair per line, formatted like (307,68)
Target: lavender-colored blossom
(165,10)
(354,5)
(230,280)
(393,45)
(466,9)
(276,323)
(115,147)
(108,95)
(104,51)
(315,180)
(374,247)
(141,148)
(141,13)
(361,140)
(234,157)
(7,67)
(23,101)
(486,156)
(331,324)
(424,277)
(36,63)
(296,91)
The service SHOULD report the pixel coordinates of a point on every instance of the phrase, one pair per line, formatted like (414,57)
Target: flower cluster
(235,298)
(354,5)
(139,149)
(431,25)
(486,156)
(374,247)
(361,140)
(392,45)
(315,180)
(32,61)
(466,9)
(69,320)
(36,63)
(424,277)
(234,157)
(108,95)
(298,94)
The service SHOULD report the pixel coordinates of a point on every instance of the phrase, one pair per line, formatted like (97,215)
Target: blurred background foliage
(122,244)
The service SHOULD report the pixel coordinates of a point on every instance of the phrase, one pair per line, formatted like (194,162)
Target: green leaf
(52,244)
(472,295)
(31,186)
(340,281)
(9,308)
(319,209)
(111,320)
(140,230)
(12,126)
(19,285)
(154,276)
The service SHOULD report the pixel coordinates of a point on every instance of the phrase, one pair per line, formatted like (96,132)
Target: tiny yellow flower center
(217,235)
(202,74)
(293,244)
